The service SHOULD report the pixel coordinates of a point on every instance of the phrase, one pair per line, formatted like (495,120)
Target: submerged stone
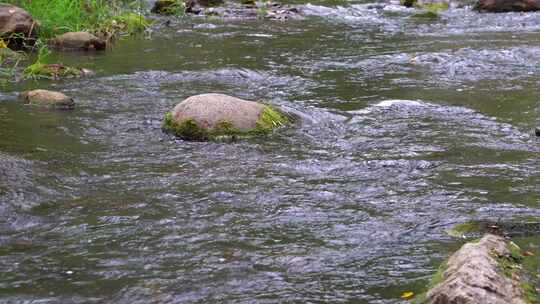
(479,272)
(16,26)
(48,98)
(78,41)
(501,6)
(210,116)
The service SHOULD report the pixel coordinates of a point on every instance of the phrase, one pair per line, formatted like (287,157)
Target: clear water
(408,127)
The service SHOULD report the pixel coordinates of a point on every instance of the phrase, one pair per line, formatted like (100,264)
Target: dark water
(408,126)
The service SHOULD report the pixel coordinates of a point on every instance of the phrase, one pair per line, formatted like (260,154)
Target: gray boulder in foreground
(48,98)
(208,116)
(501,6)
(480,272)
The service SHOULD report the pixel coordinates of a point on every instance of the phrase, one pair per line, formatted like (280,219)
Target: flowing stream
(408,126)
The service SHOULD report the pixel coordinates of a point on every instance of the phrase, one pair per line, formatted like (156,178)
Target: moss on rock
(434,281)
(430,10)
(41,70)
(462,230)
(189,129)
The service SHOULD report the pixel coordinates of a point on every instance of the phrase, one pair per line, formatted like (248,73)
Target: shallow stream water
(408,126)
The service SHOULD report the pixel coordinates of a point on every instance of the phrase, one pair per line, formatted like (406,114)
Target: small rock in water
(78,41)
(50,98)
(537,131)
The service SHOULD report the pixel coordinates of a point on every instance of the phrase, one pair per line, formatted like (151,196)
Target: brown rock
(50,98)
(78,41)
(16,25)
(499,6)
(474,275)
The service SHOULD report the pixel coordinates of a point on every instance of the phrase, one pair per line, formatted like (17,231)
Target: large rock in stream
(17,27)
(211,116)
(501,6)
(480,272)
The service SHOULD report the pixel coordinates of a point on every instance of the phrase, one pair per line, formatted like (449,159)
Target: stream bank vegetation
(107,19)
(94,16)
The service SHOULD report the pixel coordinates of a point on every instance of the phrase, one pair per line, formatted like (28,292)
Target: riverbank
(42,27)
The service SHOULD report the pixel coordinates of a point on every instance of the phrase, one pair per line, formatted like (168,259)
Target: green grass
(61,16)
(170,7)
(9,61)
(39,69)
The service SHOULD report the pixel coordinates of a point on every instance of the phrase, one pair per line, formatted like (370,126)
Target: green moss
(509,263)
(463,229)
(431,10)
(434,7)
(40,70)
(531,295)
(189,129)
(270,119)
(427,15)
(437,278)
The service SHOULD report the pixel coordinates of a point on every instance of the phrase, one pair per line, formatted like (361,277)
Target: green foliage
(170,7)
(40,69)
(61,16)
(132,23)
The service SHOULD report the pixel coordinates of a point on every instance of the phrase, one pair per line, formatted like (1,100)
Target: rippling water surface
(408,126)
